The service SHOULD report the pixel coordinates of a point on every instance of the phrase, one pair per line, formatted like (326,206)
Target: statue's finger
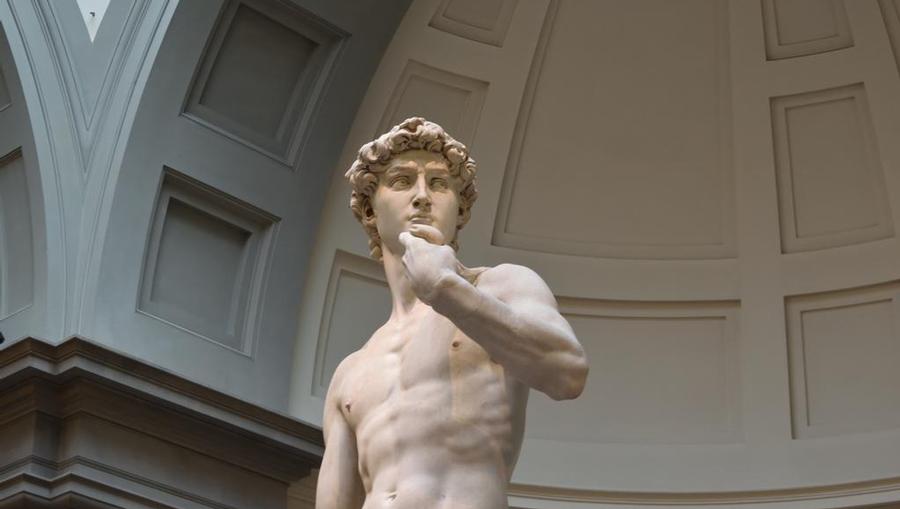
(427,232)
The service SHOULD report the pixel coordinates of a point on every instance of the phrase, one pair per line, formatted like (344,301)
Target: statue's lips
(420,219)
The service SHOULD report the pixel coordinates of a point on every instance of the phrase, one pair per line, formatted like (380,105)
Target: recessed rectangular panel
(263,74)
(659,374)
(890,11)
(16,242)
(805,20)
(4,92)
(199,263)
(826,152)
(831,186)
(617,159)
(451,100)
(205,262)
(485,21)
(804,27)
(844,351)
(256,70)
(476,13)
(357,303)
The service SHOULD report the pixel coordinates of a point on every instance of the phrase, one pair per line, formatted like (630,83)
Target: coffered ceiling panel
(890,11)
(451,100)
(844,351)
(205,262)
(621,150)
(4,93)
(661,373)
(830,182)
(16,244)
(484,21)
(805,27)
(263,74)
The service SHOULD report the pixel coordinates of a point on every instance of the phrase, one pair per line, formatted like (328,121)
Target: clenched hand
(429,263)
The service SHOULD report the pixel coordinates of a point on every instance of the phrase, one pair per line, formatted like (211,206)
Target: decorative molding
(484,21)
(129,426)
(678,363)
(704,247)
(16,237)
(844,348)
(451,100)
(90,70)
(188,209)
(29,491)
(302,90)
(890,13)
(346,268)
(825,198)
(810,493)
(118,485)
(795,29)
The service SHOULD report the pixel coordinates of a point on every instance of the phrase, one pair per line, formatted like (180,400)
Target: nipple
(347,405)
(455,344)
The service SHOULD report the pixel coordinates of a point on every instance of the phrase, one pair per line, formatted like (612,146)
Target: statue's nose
(421,199)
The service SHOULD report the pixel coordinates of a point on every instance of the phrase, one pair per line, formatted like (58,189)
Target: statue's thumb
(466,273)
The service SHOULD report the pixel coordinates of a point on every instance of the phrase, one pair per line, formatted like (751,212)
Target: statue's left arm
(511,313)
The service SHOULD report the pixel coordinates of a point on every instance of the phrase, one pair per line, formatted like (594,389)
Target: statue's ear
(368,209)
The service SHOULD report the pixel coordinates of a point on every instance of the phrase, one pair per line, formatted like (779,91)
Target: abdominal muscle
(435,427)
(412,485)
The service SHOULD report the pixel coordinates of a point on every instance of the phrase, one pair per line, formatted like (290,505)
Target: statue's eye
(401,181)
(439,183)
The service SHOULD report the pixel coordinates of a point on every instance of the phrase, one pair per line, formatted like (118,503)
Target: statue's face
(415,188)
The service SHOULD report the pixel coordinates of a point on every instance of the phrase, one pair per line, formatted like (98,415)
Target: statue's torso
(438,424)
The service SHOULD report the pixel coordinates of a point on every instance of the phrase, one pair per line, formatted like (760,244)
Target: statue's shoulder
(505,272)
(346,366)
(509,279)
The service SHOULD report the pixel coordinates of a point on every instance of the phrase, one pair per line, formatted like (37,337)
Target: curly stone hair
(411,134)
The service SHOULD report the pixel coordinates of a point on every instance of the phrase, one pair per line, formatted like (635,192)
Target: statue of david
(430,412)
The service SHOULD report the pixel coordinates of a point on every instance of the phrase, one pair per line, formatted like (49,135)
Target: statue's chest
(415,362)
(367,387)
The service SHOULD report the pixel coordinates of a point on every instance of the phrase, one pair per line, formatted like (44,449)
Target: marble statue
(430,413)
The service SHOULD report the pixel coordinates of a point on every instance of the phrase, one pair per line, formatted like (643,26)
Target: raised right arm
(339,485)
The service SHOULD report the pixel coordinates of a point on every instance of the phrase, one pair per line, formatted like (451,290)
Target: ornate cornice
(57,401)
(82,358)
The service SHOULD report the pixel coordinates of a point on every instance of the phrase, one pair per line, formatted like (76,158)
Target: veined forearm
(540,354)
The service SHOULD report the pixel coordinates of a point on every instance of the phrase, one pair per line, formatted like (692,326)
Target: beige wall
(711,189)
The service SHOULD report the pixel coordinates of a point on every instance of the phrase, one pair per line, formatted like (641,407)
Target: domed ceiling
(711,189)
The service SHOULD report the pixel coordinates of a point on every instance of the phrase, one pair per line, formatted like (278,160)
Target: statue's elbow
(572,384)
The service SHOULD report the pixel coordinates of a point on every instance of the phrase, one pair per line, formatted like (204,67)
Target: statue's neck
(403,298)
